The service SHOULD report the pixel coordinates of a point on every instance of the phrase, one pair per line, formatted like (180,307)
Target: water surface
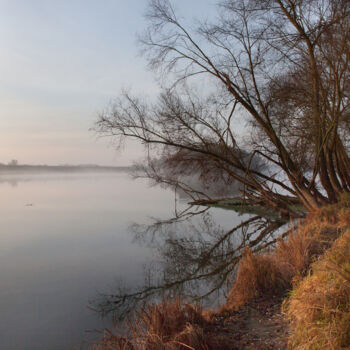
(64,239)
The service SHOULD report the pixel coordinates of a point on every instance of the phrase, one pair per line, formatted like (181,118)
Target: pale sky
(61,62)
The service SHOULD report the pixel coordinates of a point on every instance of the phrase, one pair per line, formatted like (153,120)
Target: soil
(259,326)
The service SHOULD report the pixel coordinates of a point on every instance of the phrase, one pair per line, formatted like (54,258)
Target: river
(66,238)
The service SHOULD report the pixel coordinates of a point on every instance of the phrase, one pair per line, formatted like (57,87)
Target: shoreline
(6,169)
(270,302)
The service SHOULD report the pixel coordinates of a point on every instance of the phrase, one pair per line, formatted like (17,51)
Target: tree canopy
(274,115)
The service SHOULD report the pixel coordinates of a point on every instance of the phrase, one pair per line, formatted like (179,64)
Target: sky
(63,61)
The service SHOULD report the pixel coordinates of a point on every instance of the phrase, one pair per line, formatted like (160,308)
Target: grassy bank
(319,307)
(310,270)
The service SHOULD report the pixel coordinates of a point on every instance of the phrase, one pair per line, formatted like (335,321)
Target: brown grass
(257,275)
(167,326)
(319,308)
(275,272)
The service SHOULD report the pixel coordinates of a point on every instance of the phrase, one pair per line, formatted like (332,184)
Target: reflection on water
(198,254)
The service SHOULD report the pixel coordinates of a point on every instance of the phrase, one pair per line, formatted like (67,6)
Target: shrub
(169,325)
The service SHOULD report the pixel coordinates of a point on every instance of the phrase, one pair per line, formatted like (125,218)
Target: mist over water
(65,238)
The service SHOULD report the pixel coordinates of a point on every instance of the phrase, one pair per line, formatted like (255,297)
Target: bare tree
(280,68)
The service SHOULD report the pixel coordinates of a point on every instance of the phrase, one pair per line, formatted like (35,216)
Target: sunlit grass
(319,308)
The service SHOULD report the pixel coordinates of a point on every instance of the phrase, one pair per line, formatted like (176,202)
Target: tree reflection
(196,258)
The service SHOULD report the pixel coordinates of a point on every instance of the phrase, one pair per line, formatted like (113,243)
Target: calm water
(64,238)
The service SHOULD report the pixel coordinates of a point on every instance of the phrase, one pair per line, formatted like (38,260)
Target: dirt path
(258,326)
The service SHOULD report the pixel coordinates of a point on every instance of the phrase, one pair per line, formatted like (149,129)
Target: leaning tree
(260,97)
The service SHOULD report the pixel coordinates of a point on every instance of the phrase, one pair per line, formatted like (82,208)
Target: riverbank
(297,293)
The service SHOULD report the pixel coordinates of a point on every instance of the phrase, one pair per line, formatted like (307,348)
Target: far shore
(6,168)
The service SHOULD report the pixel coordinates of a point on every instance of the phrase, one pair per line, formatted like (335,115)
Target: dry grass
(275,272)
(113,342)
(319,307)
(167,326)
(257,275)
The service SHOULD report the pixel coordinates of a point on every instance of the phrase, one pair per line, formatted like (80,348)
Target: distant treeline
(60,168)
